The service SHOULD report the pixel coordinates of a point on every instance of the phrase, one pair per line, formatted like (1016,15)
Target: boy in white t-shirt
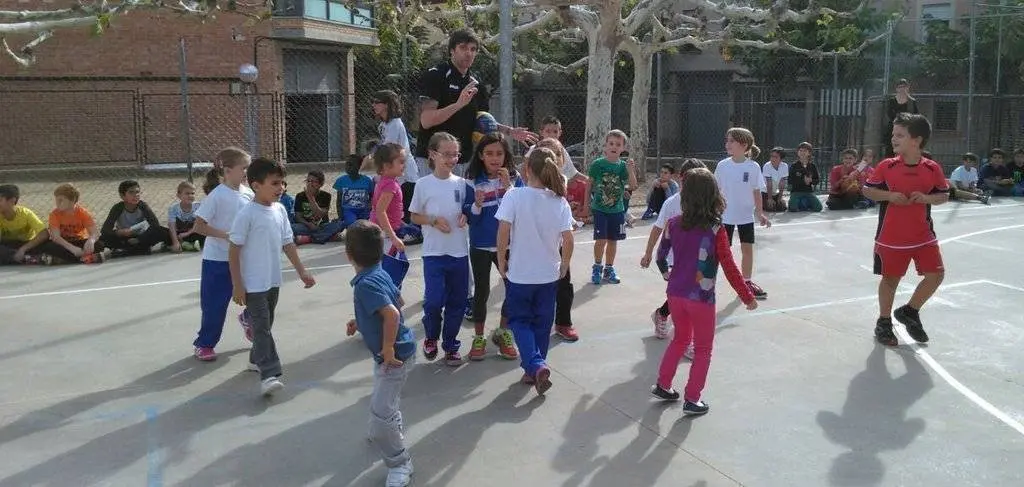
(260,231)
(963,183)
(742,184)
(437,206)
(776,175)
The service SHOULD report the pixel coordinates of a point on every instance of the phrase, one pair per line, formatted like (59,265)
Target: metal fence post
(970,77)
(657,129)
(505,64)
(186,129)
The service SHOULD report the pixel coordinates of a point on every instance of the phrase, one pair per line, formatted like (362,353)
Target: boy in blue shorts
(610,177)
(379,320)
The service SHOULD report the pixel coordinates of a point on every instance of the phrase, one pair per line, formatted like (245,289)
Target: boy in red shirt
(906,187)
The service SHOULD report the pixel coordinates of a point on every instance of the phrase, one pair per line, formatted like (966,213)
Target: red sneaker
(567,333)
(205,354)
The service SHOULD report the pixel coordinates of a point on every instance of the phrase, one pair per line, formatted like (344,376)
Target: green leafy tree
(825,36)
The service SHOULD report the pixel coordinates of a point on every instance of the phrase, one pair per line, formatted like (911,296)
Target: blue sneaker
(610,276)
(469,308)
(595,275)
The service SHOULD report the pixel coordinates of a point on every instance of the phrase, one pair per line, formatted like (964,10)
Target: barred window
(947,115)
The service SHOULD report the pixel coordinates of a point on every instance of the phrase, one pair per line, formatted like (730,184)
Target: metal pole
(888,62)
(250,119)
(999,50)
(970,78)
(506,62)
(186,130)
(660,101)
(835,104)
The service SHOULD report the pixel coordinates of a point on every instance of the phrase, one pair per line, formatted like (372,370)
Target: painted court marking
(578,242)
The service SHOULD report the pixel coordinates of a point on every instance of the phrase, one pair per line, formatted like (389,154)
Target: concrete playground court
(101,389)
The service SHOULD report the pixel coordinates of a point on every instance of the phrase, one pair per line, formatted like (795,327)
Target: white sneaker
(270,386)
(400,476)
(689,352)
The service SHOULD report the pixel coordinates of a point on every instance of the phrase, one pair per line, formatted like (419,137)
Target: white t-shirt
(218,210)
(738,181)
(964,175)
(393,132)
(442,198)
(568,168)
(776,175)
(261,231)
(538,218)
(669,209)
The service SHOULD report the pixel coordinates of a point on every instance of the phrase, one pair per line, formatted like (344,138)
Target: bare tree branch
(26,55)
(642,12)
(537,68)
(778,12)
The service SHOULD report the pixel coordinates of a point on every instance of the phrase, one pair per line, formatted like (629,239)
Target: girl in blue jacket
(489,176)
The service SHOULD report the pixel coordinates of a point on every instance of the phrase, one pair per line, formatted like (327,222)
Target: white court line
(939,369)
(578,242)
(959,386)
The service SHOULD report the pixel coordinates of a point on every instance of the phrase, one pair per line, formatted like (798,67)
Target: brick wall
(115,98)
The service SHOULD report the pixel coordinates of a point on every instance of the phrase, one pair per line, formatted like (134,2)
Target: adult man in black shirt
(451,95)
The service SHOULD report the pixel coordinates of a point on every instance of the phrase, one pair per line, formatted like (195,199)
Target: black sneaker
(911,319)
(663,394)
(756,290)
(698,408)
(884,334)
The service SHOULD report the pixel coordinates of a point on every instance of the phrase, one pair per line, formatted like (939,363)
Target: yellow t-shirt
(23,227)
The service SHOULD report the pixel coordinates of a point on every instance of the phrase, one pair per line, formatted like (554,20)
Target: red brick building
(119,98)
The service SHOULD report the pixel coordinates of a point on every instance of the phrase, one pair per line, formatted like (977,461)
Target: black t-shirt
(797,171)
(302,206)
(443,84)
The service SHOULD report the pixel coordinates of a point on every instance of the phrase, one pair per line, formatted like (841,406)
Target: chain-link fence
(965,74)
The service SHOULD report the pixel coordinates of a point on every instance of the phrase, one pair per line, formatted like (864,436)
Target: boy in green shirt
(609,178)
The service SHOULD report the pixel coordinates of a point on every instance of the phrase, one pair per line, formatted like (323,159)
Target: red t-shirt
(906,226)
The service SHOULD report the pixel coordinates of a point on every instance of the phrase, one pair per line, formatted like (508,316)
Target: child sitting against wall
(181,219)
(131,227)
(73,230)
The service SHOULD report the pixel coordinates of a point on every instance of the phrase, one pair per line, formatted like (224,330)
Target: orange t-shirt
(74,224)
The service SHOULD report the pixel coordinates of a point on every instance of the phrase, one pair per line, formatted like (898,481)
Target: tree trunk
(639,110)
(603,45)
(600,83)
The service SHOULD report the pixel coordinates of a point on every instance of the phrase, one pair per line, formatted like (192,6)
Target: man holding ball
(450,97)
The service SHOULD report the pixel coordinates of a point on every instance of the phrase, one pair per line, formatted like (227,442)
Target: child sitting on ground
(131,227)
(73,230)
(963,183)
(845,183)
(355,191)
(21,231)
(664,187)
(288,202)
(776,176)
(181,220)
(312,212)
(803,179)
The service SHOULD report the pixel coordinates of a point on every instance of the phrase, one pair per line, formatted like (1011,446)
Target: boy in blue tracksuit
(355,192)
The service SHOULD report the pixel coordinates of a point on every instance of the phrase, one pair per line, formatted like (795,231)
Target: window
(936,15)
(947,115)
(339,11)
